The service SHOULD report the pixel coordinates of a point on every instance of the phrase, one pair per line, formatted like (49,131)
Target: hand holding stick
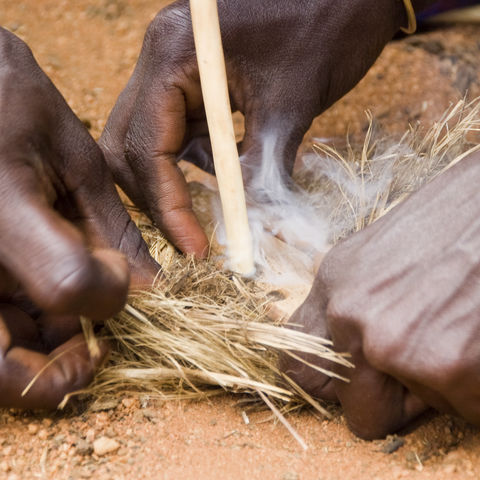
(213,78)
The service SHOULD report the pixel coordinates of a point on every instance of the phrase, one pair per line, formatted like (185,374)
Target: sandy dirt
(89,49)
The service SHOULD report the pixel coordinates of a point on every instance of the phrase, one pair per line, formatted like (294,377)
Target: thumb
(375,403)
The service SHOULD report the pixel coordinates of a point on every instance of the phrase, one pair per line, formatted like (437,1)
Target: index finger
(152,148)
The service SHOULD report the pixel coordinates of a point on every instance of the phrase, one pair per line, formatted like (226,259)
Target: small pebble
(138,416)
(32,428)
(54,62)
(7,451)
(59,439)
(13,27)
(128,402)
(83,447)
(86,122)
(90,435)
(47,422)
(104,445)
(149,415)
(450,469)
(392,444)
(104,407)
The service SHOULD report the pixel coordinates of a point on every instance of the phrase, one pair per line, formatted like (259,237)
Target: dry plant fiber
(202,331)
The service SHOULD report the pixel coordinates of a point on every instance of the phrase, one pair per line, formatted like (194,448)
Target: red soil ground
(89,49)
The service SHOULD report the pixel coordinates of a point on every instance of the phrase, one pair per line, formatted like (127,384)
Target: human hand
(59,216)
(402,297)
(286,61)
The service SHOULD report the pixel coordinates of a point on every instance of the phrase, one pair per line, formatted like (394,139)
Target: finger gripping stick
(213,79)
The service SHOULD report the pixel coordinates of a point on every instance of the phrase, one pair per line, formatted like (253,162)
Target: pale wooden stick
(213,78)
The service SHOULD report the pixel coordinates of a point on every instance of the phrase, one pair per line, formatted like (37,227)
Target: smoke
(289,230)
(295,221)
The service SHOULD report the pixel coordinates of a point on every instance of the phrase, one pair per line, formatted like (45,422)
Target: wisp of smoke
(335,194)
(280,214)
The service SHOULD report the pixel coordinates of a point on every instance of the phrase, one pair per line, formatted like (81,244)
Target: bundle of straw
(203,331)
(200,333)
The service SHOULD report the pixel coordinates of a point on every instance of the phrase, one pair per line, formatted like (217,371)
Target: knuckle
(68,290)
(455,373)
(138,144)
(354,326)
(338,306)
(332,267)
(383,352)
(111,144)
(75,374)
(170,24)
(323,278)
(12,49)
(347,307)
(130,241)
(69,376)
(92,172)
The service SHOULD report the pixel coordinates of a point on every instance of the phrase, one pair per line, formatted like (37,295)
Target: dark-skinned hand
(287,61)
(402,297)
(60,218)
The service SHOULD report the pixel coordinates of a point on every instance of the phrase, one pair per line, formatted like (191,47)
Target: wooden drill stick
(213,78)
